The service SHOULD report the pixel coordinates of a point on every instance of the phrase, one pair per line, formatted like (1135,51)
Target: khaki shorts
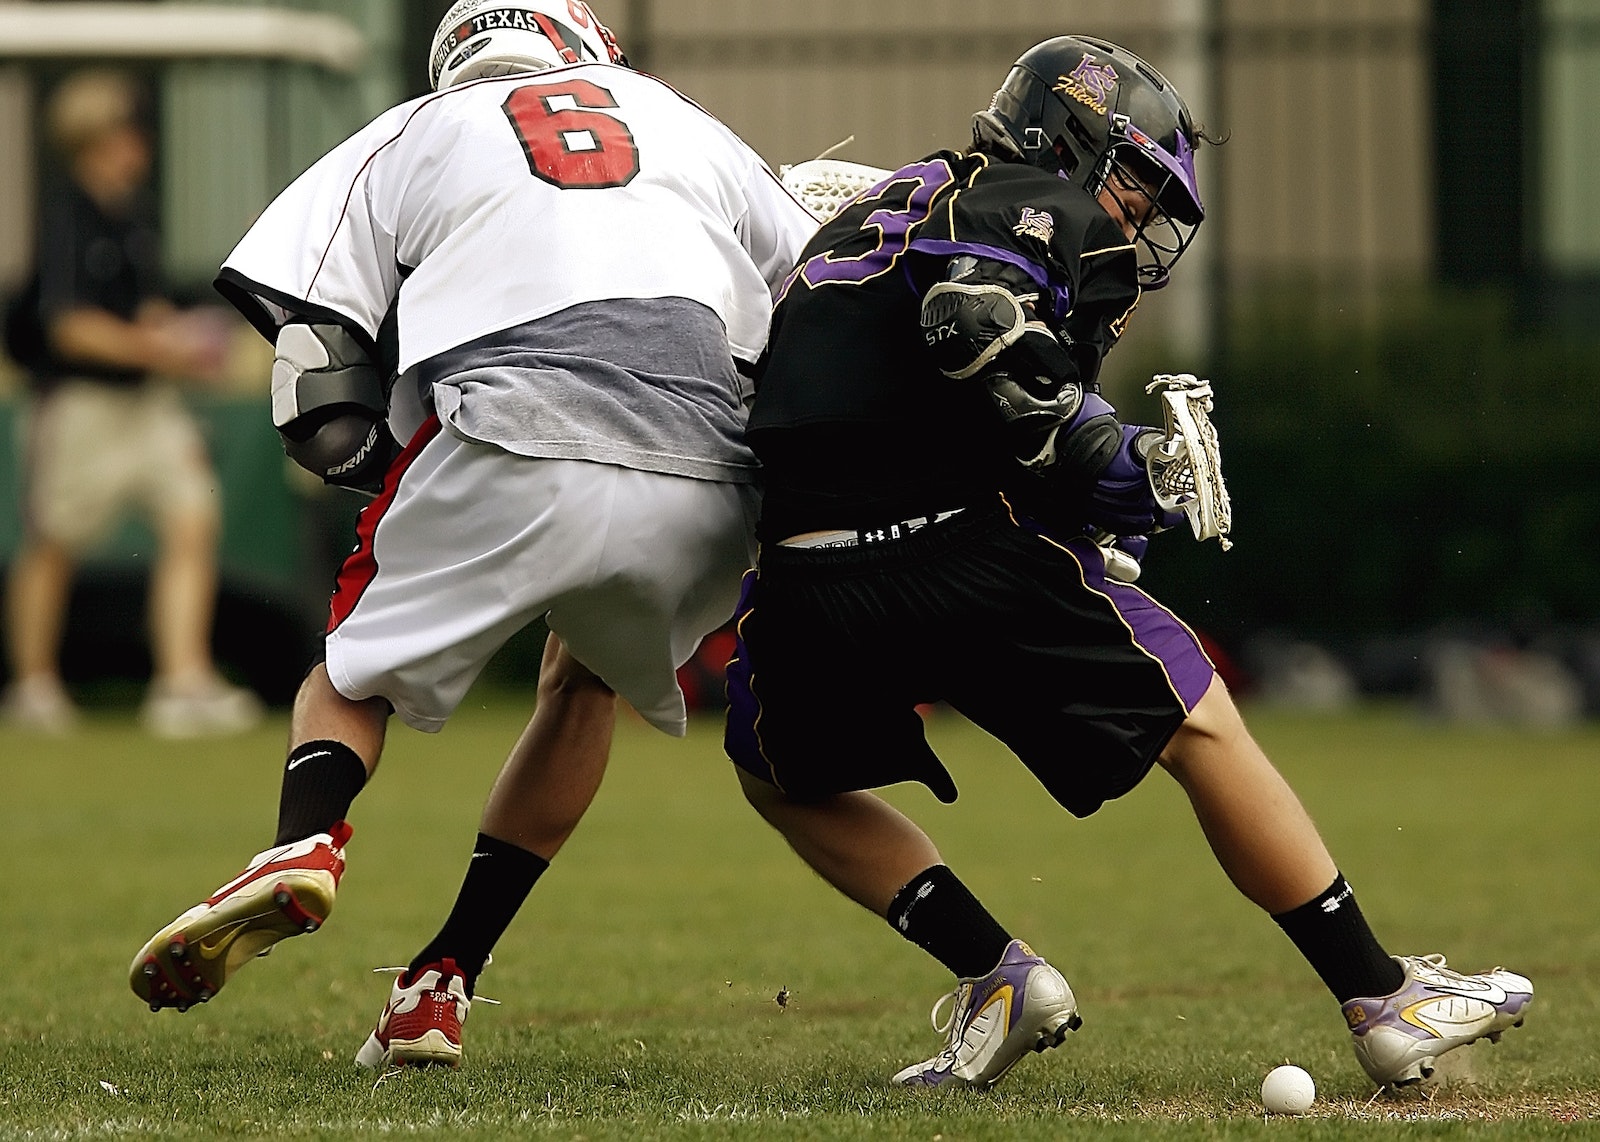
(94,452)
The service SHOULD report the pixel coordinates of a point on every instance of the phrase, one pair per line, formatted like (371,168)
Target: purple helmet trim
(1180,165)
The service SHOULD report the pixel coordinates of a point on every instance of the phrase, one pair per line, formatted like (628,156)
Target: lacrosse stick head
(1186,467)
(823,186)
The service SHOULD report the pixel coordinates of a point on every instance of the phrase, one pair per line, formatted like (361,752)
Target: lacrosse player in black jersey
(938,465)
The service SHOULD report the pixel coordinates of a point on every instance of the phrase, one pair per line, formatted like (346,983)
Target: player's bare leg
(857,842)
(1403,1011)
(542,792)
(1007,1000)
(37,591)
(321,713)
(556,767)
(1261,834)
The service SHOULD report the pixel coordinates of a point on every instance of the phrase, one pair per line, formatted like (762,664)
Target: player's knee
(562,676)
(1213,723)
(763,796)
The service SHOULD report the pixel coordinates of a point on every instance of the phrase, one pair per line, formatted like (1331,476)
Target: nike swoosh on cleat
(215,943)
(1491,993)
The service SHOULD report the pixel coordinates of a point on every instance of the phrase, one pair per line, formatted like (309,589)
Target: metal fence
(1330,173)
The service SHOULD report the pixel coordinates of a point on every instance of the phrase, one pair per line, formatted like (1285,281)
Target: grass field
(638,987)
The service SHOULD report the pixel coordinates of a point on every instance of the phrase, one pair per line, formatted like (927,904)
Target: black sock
(1334,938)
(320,780)
(936,912)
(498,880)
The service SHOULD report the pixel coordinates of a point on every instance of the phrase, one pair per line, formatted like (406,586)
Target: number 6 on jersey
(568,142)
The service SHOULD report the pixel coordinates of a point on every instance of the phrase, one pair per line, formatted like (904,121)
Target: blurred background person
(104,433)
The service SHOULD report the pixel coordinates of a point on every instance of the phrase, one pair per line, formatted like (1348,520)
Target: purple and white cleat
(1398,1037)
(1023,1005)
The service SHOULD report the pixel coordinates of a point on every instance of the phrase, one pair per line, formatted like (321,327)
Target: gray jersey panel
(645,383)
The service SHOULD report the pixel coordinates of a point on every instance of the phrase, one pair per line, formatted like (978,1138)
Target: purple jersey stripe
(946,248)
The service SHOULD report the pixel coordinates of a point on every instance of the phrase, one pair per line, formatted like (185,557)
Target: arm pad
(978,324)
(981,316)
(329,404)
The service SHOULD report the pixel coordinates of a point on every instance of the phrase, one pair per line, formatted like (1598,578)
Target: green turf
(639,984)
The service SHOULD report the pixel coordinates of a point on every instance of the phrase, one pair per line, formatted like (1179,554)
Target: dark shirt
(87,257)
(853,422)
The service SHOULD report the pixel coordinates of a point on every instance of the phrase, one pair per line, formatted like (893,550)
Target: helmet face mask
(1081,108)
(1173,215)
(481,38)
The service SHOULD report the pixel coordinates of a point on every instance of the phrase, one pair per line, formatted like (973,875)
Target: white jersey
(469,217)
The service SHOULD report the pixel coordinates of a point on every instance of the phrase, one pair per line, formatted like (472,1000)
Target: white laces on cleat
(473,999)
(959,999)
(954,997)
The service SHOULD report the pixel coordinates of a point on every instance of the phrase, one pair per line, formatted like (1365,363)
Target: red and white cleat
(285,891)
(421,1023)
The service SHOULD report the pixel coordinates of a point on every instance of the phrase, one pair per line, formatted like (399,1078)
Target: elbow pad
(973,326)
(977,325)
(330,406)
(1068,435)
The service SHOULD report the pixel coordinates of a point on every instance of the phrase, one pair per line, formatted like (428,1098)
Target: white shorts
(471,544)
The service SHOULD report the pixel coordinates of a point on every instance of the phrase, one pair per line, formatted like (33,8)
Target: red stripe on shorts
(361,567)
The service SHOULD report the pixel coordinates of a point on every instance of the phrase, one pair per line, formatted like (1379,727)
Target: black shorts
(1084,679)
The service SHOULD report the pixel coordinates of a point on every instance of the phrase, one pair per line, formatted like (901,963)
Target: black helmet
(1081,107)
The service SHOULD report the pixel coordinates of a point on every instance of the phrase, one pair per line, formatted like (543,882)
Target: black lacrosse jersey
(853,422)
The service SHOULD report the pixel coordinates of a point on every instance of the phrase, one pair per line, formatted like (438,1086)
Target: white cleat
(421,1023)
(1397,1037)
(1022,1005)
(285,891)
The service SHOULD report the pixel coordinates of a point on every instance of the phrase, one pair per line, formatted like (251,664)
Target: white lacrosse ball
(1287,1090)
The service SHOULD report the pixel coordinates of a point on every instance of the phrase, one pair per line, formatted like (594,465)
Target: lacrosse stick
(824,185)
(1186,467)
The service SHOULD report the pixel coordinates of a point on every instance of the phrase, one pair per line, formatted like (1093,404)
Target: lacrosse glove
(1123,502)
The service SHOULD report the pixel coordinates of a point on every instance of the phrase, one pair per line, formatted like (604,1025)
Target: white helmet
(479,38)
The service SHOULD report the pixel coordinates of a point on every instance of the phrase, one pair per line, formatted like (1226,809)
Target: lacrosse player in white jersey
(521,312)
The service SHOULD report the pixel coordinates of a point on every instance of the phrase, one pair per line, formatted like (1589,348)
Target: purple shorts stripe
(743,740)
(1158,632)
